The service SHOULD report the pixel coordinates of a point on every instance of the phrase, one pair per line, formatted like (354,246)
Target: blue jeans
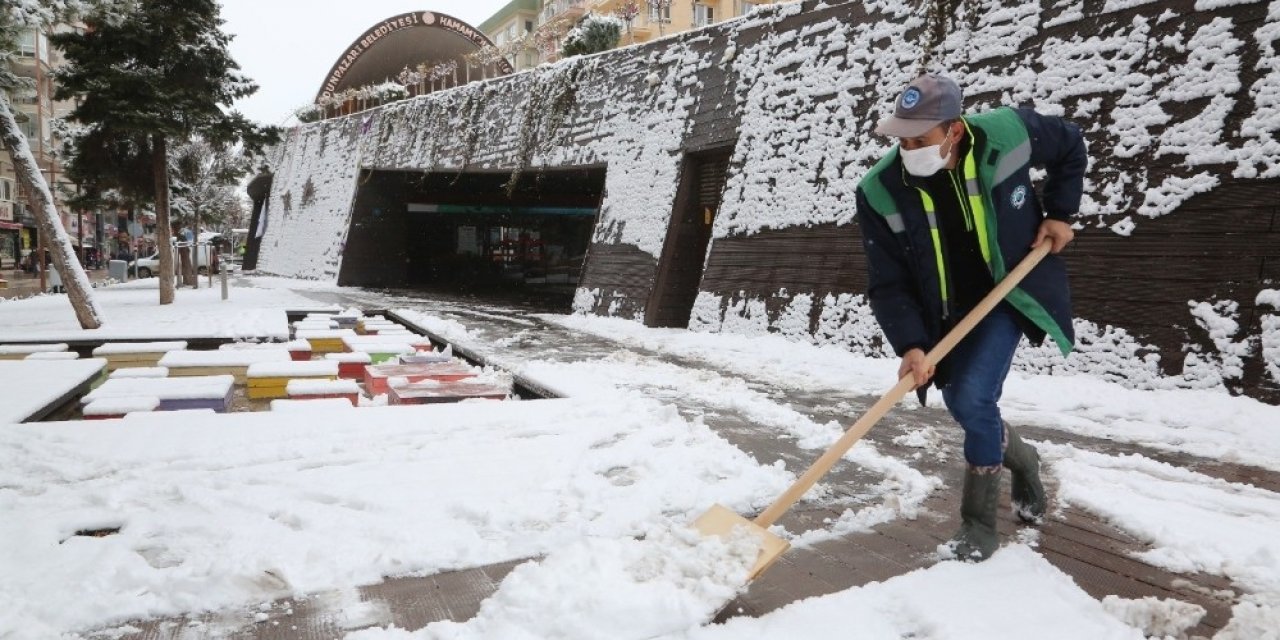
(977,369)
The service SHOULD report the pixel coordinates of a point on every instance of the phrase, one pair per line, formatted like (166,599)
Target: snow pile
(1155,617)
(1270,338)
(1015,591)
(672,580)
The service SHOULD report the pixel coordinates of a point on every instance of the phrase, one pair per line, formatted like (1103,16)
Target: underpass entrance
(467,233)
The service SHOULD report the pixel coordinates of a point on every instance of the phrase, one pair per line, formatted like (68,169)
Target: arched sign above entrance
(406,40)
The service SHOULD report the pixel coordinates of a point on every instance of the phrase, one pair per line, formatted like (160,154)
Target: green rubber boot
(1028,496)
(977,538)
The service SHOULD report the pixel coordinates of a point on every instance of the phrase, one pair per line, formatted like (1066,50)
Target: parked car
(148,266)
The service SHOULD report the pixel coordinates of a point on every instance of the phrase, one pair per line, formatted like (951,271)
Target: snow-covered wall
(1178,98)
(628,111)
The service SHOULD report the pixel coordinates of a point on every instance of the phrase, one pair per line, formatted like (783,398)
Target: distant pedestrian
(944,215)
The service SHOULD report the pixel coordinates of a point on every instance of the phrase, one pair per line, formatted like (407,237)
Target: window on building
(703,15)
(741,7)
(27,44)
(528,26)
(7,190)
(660,14)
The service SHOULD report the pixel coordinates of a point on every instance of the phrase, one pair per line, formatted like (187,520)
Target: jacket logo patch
(1018,197)
(910,98)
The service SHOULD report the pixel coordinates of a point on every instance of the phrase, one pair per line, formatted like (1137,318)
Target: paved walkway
(1098,556)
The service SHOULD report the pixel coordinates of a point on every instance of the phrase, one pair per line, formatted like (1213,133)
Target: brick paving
(1096,555)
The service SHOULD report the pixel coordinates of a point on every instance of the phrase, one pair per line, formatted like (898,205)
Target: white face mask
(925,161)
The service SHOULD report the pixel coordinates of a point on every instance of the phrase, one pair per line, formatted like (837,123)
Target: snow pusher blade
(722,521)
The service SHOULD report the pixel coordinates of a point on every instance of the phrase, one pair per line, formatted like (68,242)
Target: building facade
(723,163)
(530,32)
(37,112)
(511,28)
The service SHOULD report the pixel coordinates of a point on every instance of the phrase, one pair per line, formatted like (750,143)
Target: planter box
(376,377)
(434,393)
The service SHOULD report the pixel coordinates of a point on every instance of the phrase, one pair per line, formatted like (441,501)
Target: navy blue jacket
(903,275)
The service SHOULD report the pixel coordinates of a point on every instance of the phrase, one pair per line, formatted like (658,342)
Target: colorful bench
(136,354)
(21,351)
(433,392)
(350,364)
(118,407)
(324,389)
(196,392)
(271,379)
(235,362)
(377,377)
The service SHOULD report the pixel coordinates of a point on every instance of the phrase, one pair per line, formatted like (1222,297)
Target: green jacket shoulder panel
(874,190)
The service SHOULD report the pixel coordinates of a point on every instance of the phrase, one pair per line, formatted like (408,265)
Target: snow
(380,346)
(322,404)
(1194,522)
(1201,422)
(134,313)
(115,348)
(183,388)
(15,349)
(233,510)
(233,358)
(140,372)
(400,490)
(312,368)
(321,387)
(355,356)
(325,334)
(53,355)
(292,345)
(1015,590)
(1270,338)
(120,405)
(28,386)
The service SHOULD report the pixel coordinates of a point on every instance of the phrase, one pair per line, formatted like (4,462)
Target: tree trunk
(160,171)
(79,291)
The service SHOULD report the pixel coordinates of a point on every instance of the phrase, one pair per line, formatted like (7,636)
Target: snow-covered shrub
(593,35)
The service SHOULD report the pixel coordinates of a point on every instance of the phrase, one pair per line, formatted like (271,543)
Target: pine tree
(164,73)
(15,17)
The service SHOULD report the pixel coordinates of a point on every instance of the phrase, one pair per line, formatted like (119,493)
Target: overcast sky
(287,46)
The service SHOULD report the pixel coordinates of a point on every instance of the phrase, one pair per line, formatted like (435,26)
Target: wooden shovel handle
(906,384)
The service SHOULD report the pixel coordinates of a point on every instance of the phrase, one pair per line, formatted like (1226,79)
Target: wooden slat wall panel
(623,274)
(1141,283)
